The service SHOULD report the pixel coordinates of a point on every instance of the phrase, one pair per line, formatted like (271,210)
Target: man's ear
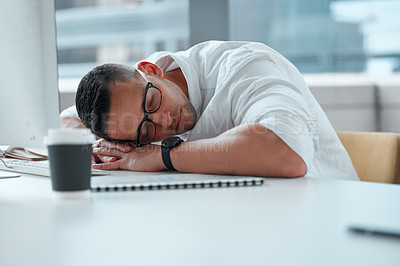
(150,69)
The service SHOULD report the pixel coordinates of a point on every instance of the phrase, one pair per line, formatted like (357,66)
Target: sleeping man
(236,108)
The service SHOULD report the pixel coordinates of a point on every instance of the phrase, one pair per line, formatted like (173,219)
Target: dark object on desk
(169,181)
(70,166)
(70,158)
(370,230)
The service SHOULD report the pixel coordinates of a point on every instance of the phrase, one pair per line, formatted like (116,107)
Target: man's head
(110,101)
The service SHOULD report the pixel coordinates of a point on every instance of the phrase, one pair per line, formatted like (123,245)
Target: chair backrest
(375,155)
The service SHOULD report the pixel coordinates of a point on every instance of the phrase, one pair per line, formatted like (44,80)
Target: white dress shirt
(232,83)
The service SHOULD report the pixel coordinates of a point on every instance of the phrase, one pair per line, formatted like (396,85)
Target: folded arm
(249,149)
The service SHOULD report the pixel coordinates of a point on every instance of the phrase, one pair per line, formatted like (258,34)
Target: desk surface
(299,221)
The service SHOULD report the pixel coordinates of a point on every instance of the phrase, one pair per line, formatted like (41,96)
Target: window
(92,32)
(324,35)
(342,46)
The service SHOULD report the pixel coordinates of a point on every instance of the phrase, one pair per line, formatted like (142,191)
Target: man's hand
(110,145)
(113,156)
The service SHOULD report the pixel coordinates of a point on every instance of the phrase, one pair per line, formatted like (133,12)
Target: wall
(357,102)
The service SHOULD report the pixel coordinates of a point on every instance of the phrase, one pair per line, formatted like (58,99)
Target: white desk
(284,222)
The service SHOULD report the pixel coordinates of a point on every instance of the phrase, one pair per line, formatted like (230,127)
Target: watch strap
(166,147)
(167,158)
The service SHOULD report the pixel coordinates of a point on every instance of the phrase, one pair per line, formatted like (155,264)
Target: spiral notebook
(146,181)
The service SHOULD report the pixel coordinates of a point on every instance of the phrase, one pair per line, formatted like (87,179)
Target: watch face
(171,142)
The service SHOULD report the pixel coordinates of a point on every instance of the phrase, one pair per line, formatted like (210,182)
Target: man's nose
(162,118)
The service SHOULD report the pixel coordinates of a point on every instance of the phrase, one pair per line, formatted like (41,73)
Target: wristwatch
(166,146)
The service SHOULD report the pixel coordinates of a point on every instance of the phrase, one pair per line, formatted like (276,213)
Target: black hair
(93,97)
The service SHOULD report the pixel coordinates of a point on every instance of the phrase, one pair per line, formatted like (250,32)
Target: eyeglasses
(146,131)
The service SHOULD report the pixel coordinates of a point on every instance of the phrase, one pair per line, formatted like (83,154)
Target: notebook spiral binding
(218,184)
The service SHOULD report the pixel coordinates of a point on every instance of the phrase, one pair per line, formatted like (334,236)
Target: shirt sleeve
(70,112)
(278,105)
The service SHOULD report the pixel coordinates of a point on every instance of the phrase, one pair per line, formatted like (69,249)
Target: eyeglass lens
(147,132)
(153,100)
(152,103)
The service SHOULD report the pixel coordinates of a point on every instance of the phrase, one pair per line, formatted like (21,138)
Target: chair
(375,155)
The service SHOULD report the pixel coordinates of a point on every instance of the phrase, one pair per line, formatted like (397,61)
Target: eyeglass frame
(146,113)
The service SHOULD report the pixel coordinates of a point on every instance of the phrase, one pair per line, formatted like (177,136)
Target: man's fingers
(124,147)
(108,159)
(107,166)
(96,143)
(103,159)
(95,159)
(107,152)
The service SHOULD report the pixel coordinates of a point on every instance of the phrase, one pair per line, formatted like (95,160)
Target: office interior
(347,50)
(349,54)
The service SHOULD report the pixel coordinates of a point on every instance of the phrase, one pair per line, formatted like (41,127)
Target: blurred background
(347,50)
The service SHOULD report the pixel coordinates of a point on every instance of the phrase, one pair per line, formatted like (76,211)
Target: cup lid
(69,136)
